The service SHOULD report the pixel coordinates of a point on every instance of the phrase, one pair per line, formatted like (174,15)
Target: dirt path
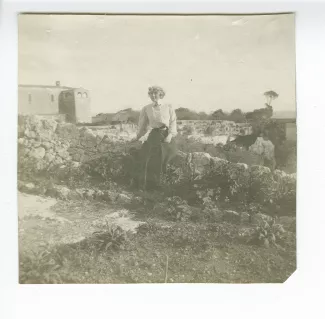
(38,207)
(44,220)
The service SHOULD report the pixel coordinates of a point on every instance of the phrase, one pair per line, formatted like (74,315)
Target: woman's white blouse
(152,116)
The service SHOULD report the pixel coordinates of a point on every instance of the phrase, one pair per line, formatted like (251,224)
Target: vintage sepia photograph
(156,148)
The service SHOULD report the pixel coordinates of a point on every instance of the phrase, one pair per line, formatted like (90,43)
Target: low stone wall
(46,145)
(44,142)
(216,128)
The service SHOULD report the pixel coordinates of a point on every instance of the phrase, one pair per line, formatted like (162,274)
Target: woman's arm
(143,123)
(172,122)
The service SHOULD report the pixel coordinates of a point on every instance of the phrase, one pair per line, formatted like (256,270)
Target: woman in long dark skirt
(157,130)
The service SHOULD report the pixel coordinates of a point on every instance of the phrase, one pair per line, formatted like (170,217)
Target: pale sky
(203,62)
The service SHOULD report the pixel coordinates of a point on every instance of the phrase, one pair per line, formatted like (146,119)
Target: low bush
(268,235)
(209,130)
(112,238)
(286,156)
(188,130)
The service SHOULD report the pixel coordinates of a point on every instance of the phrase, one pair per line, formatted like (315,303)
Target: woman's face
(155,96)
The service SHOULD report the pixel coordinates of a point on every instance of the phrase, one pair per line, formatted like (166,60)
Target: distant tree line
(237,115)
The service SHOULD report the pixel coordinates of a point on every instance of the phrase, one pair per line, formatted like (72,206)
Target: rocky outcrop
(217,127)
(213,140)
(46,145)
(238,182)
(266,150)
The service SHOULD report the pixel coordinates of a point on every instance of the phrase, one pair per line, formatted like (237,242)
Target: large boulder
(49,157)
(58,191)
(76,154)
(258,146)
(37,153)
(124,199)
(36,127)
(47,145)
(48,128)
(88,138)
(217,162)
(199,162)
(67,131)
(57,161)
(104,145)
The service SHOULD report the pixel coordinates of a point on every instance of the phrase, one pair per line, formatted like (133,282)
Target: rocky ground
(89,241)
(80,222)
(62,222)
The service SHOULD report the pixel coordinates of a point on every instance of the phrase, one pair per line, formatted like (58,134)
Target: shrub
(174,175)
(148,228)
(113,238)
(178,209)
(209,130)
(188,129)
(286,156)
(174,208)
(262,186)
(268,235)
(210,211)
(230,180)
(285,193)
(41,266)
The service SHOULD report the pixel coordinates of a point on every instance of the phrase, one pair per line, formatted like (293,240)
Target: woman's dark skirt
(151,160)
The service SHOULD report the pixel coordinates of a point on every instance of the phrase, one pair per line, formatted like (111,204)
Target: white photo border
(300,295)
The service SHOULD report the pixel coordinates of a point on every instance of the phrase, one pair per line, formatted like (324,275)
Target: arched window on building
(52,98)
(85,95)
(79,95)
(29,98)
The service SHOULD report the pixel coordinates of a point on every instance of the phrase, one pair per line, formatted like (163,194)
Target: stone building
(54,100)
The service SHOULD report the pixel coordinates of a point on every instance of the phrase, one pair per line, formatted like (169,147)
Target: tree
(275,131)
(219,115)
(270,96)
(183,113)
(183,110)
(259,115)
(203,116)
(237,116)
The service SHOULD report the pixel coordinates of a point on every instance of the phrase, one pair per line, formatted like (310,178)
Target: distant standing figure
(157,130)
